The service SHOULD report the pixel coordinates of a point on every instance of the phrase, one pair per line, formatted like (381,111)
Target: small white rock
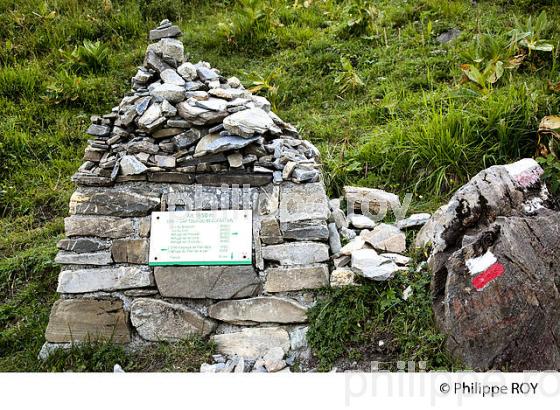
(354,245)
(413,221)
(368,263)
(361,221)
(407,293)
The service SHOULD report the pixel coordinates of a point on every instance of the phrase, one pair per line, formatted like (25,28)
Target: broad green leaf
(542,45)
(473,74)
(497,72)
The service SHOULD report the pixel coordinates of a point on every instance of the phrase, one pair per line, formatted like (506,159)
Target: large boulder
(496,268)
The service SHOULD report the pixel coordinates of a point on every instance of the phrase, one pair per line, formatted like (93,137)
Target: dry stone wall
(186,138)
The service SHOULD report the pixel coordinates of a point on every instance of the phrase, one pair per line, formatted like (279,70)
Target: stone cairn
(186,138)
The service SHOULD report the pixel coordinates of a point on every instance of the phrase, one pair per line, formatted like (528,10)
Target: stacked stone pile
(185,123)
(185,138)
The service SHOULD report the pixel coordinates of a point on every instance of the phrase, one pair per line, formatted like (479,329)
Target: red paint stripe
(482,279)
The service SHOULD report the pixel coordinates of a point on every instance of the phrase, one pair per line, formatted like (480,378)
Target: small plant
(88,58)
(485,79)
(549,152)
(266,86)
(528,35)
(348,78)
(361,22)
(551,167)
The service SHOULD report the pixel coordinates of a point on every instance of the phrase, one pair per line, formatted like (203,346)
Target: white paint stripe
(481,263)
(522,166)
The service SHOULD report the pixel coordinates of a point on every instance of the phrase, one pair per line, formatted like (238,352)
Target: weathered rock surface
(251,343)
(495,271)
(303,202)
(109,278)
(83,245)
(342,277)
(112,202)
(289,278)
(102,227)
(207,282)
(367,263)
(300,253)
(262,309)
(156,320)
(361,221)
(249,122)
(130,251)
(369,199)
(386,237)
(413,221)
(91,258)
(74,320)
(130,165)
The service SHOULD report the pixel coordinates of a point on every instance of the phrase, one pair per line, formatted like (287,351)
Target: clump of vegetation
(91,57)
(348,318)
(183,356)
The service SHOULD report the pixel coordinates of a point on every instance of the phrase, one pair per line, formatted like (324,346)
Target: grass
(350,322)
(367,82)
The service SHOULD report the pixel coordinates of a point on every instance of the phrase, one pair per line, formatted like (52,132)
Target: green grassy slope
(366,81)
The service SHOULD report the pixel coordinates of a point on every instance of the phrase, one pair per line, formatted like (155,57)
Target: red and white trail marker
(485,269)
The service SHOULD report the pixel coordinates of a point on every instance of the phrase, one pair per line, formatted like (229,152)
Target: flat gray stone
(156,320)
(334,239)
(233,179)
(83,245)
(207,282)
(370,199)
(100,226)
(170,92)
(171,31)
(228,143)
(130,165)
(94,258)
(206,74)
(413,221)
(213,104)
(361,221)
(296,253)
(113,202)
(108,279)
(252,343)
(136,147)
(309,230)
(150,116)
(170,76)
(303,202)
(262,309)
(199,116)
(99,130)
(73,320)
(133,251)
(249,122)
(367,263)
(385,237)
(293,278)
